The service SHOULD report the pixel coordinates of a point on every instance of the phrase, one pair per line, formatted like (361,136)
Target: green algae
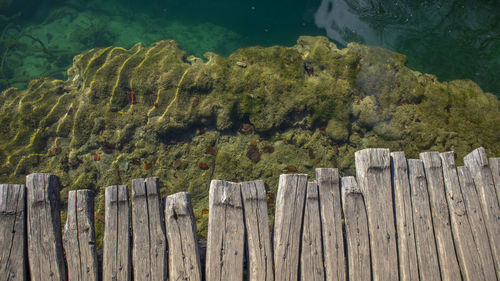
(258,113)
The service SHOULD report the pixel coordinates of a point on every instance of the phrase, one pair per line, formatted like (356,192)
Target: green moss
(367,112)
(276,100)
(337,130)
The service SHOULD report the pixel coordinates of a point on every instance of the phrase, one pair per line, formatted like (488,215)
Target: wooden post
(13,232)
(257,226)
(495,172)
(374,179)
(466,249)
(311,253)
(183,255)
(422,222)
(440,216)
(356,228)
(477,162)
(116,252)
(226,236)
(331,221)
(475,216)
(45,251)
(288,226)
(408,266)
(148,224)
(79,237)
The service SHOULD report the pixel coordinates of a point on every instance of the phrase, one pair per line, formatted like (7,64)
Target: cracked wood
(467,253)
(428,264)
(116,250)
(45,251)
(374,180)
(183,255)
(477,162)
(79,237)
(408,266)
(311,254)
(288,225)
(12,232)
(148,224)
(356,228)
(225,241)
(257,226)
(476,221)
(331,222)
(440,216)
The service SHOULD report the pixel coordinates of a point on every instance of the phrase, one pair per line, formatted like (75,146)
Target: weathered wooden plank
(466,249)
(356,228)
(477,162)
(79,237)
(331,220)
(475,216)
(183,256)
(374,179)
(495,172)
(257,226)
(450,270)
(288,225)
(311,253)
(149,243)
(226,237)
(116,250)
(13,232)
(408,266)
(428,264)
(45,251)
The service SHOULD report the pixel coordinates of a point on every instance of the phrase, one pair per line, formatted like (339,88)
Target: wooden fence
(398,219)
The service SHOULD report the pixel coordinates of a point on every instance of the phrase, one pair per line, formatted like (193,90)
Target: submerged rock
(152,111)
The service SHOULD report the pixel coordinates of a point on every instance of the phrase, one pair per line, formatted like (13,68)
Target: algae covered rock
(153,111)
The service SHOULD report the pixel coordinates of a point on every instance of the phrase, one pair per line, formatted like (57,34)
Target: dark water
(450,38)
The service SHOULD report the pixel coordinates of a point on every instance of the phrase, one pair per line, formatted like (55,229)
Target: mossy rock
(153,111)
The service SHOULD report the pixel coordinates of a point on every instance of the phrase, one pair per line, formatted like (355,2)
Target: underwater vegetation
(40,38)
(453,39)
(260,112)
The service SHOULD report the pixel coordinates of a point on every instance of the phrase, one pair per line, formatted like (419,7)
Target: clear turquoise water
(452,39)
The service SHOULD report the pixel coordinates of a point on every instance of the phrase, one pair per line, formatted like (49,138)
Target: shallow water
(452,39)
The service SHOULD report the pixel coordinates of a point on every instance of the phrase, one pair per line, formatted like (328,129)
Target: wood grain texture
(79,237)
(374,179)
(356,228)
(226,237)
(311,253)
(288,218)
(13,256)
(467,253)
(408,266)
(450,270)
(149,255)
(477,162)
(495,172)
(475,216)
(183,255)
(422,223)
(331,220)
(116,251)
(45,251)
(257,226)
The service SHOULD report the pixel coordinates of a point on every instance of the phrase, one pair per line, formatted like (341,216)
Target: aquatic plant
(189,121)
